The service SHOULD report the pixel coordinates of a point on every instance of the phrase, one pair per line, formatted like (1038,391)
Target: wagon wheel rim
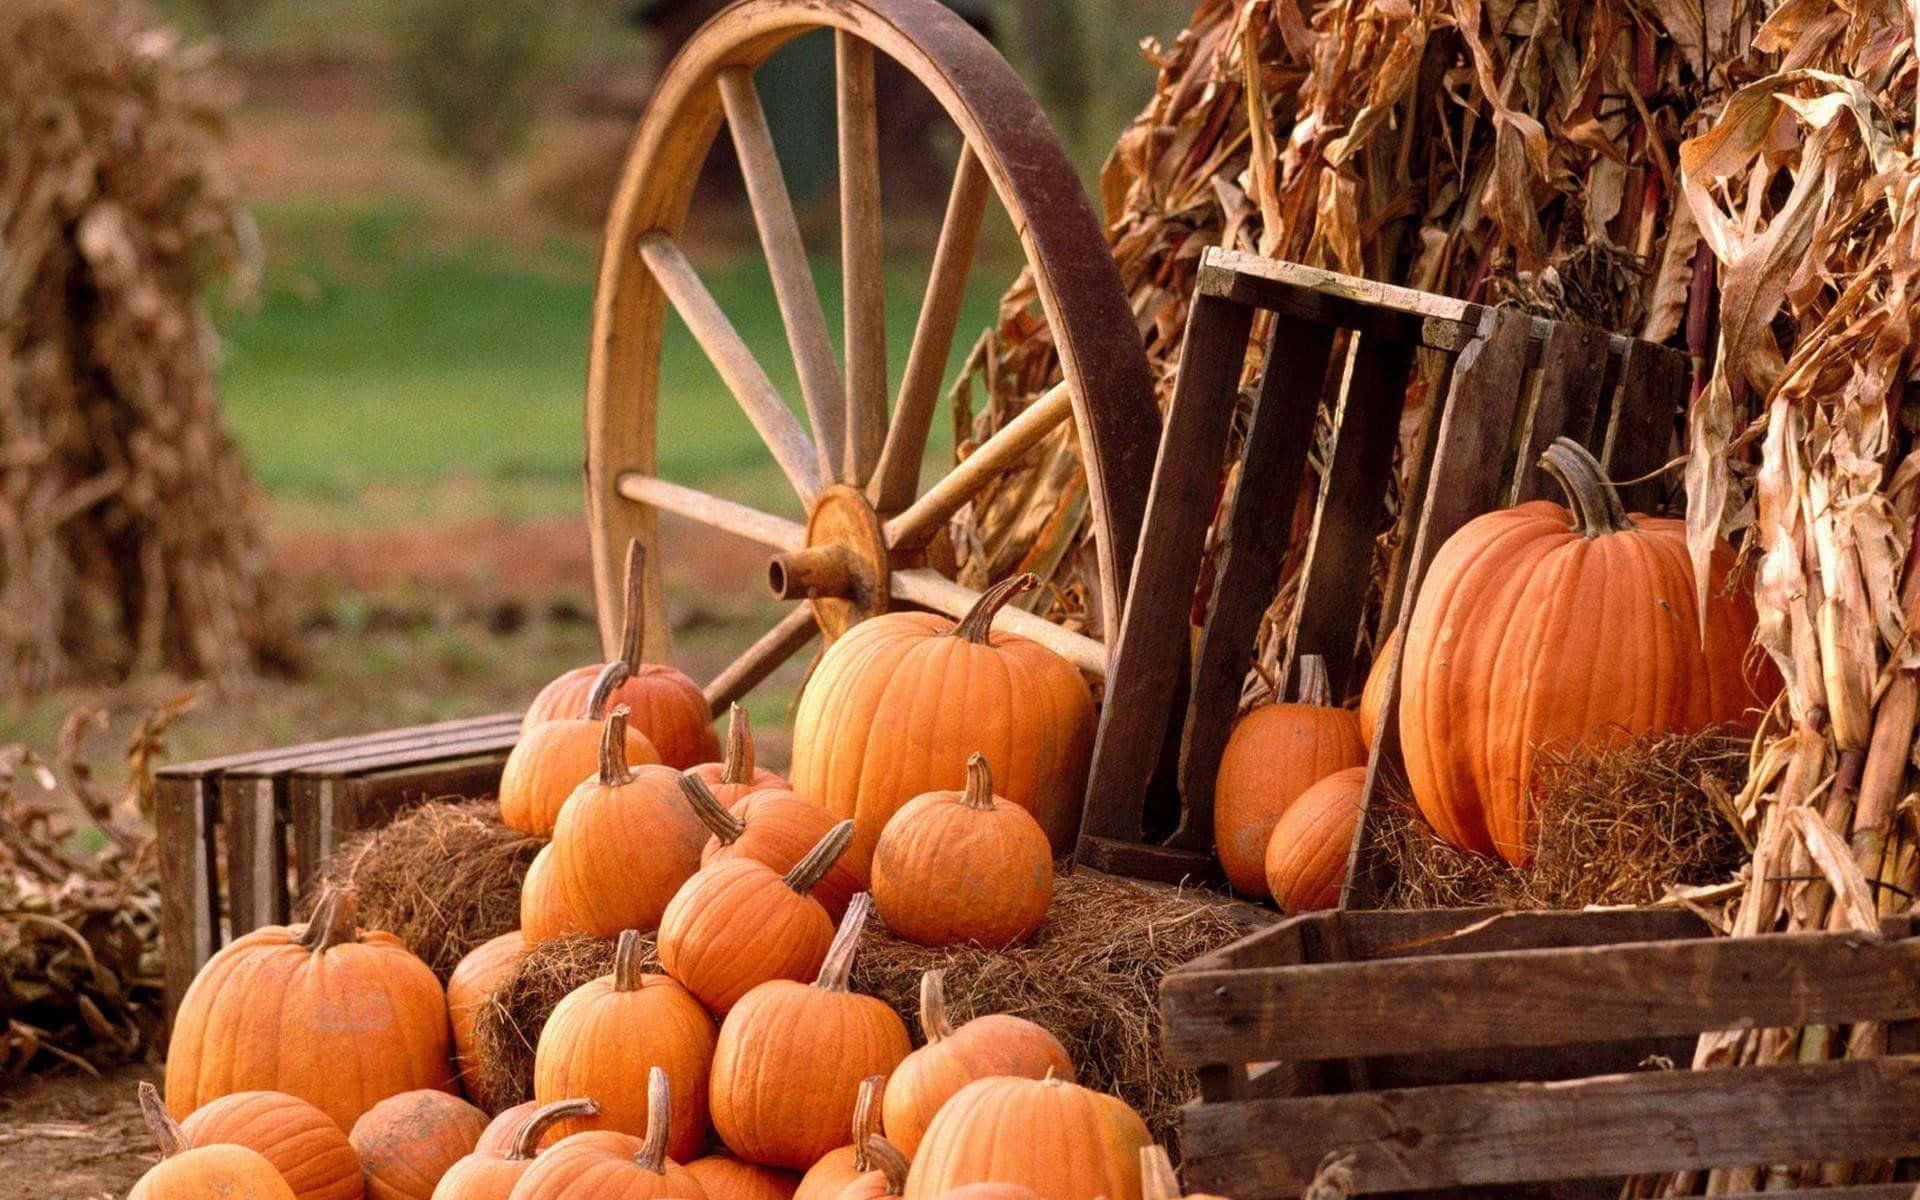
(871,541)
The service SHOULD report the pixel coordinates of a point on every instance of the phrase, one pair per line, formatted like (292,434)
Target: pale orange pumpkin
(340,1018)
(603,1037)
(790,1058)
(624,843)
(544,914)
(896,704)
(966,866)
(1276,752)
(492,1170)
(1540,626)
(737,773)
(1063,1141)
(231,1172)
(724,1177)
(833,1171)
(992,1044)
(668,708)
(474,978)
(311,1153)
(407,1142)
(1157,1180)
(604,1165)
(774,826)
(737,924)
(1373,695)
(991,1191)
(1307,854)
(888,1176)
(554,757)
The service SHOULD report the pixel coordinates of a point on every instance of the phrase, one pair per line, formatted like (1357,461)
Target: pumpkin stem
(627,964)
(1596,506)
(979,619)
(653,1150)
(605,684)
(979,791)
(866,1119)
(838,967)
(714,815)
(934,1023)
(633,611)
(166,1130)
(1157,1180)
(809,871)
(332,922)
(526,1143)
(1310,682)
(888,1160)
(614,771)
(736,766)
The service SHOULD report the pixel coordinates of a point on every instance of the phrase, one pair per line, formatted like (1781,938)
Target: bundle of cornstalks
(127,530)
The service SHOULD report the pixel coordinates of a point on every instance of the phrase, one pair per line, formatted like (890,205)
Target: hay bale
(508,1026)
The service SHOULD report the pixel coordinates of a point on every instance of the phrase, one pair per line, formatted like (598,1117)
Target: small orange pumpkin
(1063,1141)
(833,1171)
(1276,752)
(993,1044)
(964,866)
(483,969)
(724,1177)
(407,1142)
(991,1191)
(1307,855)
(492,1170)
(1157,1180)
(231,1172)
(774,826)
(311,1153)
(544,914)
(504,1129)
(668,708)
(1373,696)
(888,1176)
(554,757)
(790,1058)
(736,773)
(737,924)
(604,1165)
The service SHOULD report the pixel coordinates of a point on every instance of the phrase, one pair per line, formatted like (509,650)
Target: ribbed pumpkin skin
(736,924)
(991,1191)
(664,705)
(304,1145)
(544,914)
(1275,753)
(468,987)
(1527,634)
(1063,1141)
(407,1142)
(781,826)
(1306,859)
(504,1128)
(620,851)
(1373,695)
(945,872)
(896,705)
(723,1177)
(598,1165)
(713,774)
(226,1172)
(548,762)
(831,1174)
(997,1044)
(499,1160)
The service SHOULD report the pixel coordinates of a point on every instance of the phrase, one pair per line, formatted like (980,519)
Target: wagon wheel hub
(845,569)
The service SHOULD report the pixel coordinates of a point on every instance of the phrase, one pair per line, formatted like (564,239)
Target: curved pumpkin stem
(1157,1180)
(1596,506)
(526,1142)
(975,626)
(979,792)
(736,765)
(166,1130)
(866,1120)
(605,684)
(653,1150)
(934,1023)
(838,967)
(887,1159)
(614,770)
(809,871)
(714,815)
(332,923)
(1311,685)
(633,611)
(627,961)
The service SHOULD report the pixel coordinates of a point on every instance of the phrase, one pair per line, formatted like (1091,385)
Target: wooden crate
(1469,1049)
(242,837)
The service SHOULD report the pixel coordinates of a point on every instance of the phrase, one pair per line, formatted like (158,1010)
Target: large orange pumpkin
(1276,752)
(483,969)
(1306,862)
(554,757)
(340,1018)
(230,1172)
(606,1035)
(544,914)
(311,1153)
(737,773)
(774,826)
(993,1044)
(407,1142)
(1064,1141)
(668,708)
(1538,626)
(833,1171)
(724,1177)
(493,1170)
(888,1176)
(790,1058)
(604,1165)
(895,706)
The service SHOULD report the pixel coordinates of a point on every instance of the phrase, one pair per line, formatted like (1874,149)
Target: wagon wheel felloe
(871,538)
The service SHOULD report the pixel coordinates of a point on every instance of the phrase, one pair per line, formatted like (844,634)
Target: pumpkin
(833,1171)
(991,1191)
(895,705)
(1548,626)
(340,1018)
(624,842)
(790,1058)
(504,1130)
(230,1172)
(668,708)
(736,924)
(602,1164)
(774,826)
(491,1170)
(603,1039)
(888,1176)
(724,1177)
(964,866)
(993,1044)
(407,1142)
(1157,1180)
(1063,1141)
(1373,694)
(475,977)
(736,774)
(1307,854)
(311,1153)
(1276,752)
(544,914)
(552,758)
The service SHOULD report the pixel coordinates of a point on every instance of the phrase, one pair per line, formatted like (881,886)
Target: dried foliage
(508,1027)
(127,529)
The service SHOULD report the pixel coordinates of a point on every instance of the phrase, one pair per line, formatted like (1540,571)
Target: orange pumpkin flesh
(492,1170)
(772,826)
(993,1044)
(1307,856)
(227,1171)
(888,1176)
(790,1058)
(833,1171)
(736,774)
(554,757)
(736,924)
(1538,626)
(311,1153)
(963,866)
(1063,1141)
(483,969)
(895,706)
(407,1142)
(340,1018)
(606,1036)
(544,914)
(604,1165)
(1275,753)
(724,1177)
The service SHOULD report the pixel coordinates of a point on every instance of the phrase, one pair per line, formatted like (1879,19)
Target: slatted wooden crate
(1463,1049)
(242,837)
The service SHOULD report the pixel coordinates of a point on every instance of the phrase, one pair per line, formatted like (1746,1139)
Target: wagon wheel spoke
(930,589)
(787,262)
(861,257)
(897,477)
(738,368)
(738,519)
(925,516)
(762,659)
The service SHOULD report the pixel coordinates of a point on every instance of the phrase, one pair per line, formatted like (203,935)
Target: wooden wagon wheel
(857,472)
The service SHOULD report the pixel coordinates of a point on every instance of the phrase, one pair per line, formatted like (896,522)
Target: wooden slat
(862,257)
(696,505)
(1611,1125)
(1572,379)
(1161,864)
(1640,438)
(184,817)
(370,799)
(256,853)
(1382,309)
(1538,997)
(928,515)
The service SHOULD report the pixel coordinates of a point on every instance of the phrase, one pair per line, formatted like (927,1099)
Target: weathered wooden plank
(375,798)
(1572,378)
(1133,859)
(1640,436)
(184,816)
(256,859)
(1414,933)
(1384,309)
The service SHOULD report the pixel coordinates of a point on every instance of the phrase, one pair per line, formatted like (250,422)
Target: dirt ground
(73,1137)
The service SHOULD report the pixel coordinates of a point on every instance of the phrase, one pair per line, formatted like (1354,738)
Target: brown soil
(73,1136)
